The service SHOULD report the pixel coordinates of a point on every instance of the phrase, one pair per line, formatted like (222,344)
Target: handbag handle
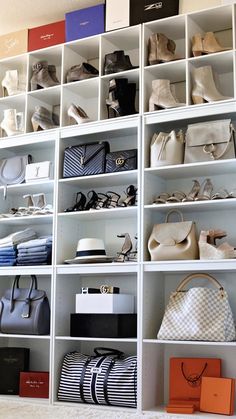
(188,278)
(174,211)
(101,351)
(26,306)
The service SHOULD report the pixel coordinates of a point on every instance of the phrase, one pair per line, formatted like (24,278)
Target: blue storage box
(85,22)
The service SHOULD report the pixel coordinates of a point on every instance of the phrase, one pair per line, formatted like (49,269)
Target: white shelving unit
(150,282)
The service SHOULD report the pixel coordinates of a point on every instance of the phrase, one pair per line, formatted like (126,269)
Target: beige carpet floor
(16,410)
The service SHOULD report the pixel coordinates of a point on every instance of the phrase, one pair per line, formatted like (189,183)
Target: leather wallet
(217,395)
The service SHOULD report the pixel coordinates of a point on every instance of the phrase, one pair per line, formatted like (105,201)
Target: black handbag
(119,161)
(25,310)
(85,159)
(103,378)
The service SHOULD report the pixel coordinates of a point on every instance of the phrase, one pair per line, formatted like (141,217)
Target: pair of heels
(126,254)
(100,200)
(117,61)
(43,119)
(209,250)
(78,114)
(161,49)
(12,83)
(199,192)
(121,98)
(81,72)
(206,44)
(12,123)
(43,76)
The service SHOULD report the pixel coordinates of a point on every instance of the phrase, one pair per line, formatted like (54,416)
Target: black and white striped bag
(103,378)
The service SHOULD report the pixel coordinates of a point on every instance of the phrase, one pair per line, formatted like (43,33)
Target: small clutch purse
(38,171)
(119,161)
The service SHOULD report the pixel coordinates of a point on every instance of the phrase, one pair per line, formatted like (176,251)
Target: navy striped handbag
(104,378)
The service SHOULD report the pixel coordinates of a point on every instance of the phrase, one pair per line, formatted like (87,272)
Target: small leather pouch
(119,161)
(208,141)
(217,395)
(38,171)
(85,159)
(173,241)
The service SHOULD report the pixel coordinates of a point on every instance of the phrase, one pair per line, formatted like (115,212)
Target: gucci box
(14,43)
(103,325)
(117,14)
(34,384)
(12,362)
(104,303)
(147,10)
(85,22)
(46,35)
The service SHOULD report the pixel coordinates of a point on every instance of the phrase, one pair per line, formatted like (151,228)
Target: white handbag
(38,171)
(198,314)
(167,148)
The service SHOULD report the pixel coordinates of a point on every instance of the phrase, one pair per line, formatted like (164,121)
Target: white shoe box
(104,303)
(117,14)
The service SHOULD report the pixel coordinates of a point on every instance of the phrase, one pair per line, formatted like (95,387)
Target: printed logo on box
(153,6)
(84,23)
(11,43)
(47,36)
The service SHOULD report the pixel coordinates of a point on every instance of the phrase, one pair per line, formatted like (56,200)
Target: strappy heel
(133,255)
(102,200)
(113,199)
(130,199)
(79,204)
(93,199)
(194,191)
(205,191)
(122,256)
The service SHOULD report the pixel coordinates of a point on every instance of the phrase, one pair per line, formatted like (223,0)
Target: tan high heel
(208,249)
(204,88)
(205,191)
(207,44)
(194,192)
(78,114)
(162,96)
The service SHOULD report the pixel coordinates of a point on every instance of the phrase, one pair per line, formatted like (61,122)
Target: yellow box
(14,43)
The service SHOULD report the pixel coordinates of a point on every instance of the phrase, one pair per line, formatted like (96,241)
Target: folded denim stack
(35,252)
(8,246)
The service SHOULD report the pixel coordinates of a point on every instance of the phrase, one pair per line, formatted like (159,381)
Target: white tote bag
(167,148)
(198,314)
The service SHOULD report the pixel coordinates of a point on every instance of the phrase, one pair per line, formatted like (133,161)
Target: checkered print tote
(198,313)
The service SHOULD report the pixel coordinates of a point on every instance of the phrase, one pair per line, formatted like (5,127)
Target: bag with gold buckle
(209,141)
(119,161)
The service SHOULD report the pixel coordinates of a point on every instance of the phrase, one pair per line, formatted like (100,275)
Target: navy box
(147,10)
(103,325)
(85,22)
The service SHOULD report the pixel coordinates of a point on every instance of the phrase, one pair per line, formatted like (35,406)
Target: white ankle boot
(162,96)
(11,84)
(204,87)
(10,122)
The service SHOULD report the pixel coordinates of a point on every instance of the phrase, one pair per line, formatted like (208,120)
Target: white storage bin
(104,303)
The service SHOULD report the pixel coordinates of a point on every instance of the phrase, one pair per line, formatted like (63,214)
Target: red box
(34,384)
(46,36)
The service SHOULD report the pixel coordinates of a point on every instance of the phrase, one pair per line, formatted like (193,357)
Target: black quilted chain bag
(85,159)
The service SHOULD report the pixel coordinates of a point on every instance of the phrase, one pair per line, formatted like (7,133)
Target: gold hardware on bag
(120,161)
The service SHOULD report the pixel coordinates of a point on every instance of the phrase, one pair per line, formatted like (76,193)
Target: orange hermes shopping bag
(217,395)
(185,378)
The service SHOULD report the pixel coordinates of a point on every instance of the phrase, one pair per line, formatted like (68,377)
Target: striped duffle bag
(103,378)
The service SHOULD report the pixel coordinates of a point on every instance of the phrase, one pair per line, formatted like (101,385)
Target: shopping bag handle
(188,278)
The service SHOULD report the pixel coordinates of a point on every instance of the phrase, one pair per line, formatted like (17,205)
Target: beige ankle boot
(162,96)
(197,45)
(204,87)
(160,49)
(9,123)
(10,83)
(211,44)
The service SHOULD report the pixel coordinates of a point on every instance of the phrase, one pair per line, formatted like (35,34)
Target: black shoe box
(147,10)
(103,325)
(12,362)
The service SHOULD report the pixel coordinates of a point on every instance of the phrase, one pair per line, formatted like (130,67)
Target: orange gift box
(180,408)
(185,378)
(217,395)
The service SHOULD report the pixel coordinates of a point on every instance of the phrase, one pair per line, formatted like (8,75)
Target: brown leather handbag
(173,241)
